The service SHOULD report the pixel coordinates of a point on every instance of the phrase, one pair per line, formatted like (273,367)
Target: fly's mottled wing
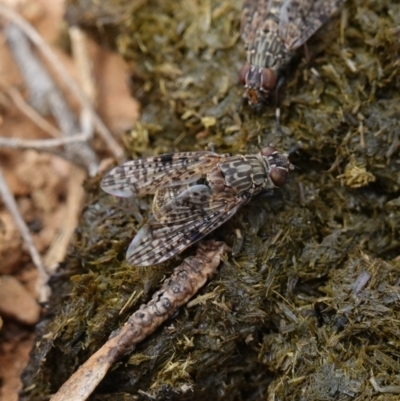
(300,19)
(146,176)
(181,222)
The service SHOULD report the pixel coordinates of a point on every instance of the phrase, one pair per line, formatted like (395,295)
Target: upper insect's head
(279,165)
(258,82)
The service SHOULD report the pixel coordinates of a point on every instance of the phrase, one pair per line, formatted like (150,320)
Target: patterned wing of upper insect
(195,192)
(271,31)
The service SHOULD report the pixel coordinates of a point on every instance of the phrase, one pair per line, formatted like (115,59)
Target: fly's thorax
(244,173)
(277,165)
(258,82)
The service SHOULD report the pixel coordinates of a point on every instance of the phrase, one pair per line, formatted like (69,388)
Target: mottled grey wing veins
(300,19)
(146,176)
(180,223)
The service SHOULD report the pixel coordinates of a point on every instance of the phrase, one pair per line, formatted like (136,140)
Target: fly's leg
(279,85)
(237,243)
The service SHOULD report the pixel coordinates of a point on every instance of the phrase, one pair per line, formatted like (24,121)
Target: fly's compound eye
(268,79)
(279,176)
(268,151)
(243,74)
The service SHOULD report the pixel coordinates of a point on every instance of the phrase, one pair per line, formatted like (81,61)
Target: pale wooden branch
(186,280)
(31,113)
(43,290)
(73,209)
(35,38)
(84,67)
(83,63)
(40,144)
(46,97)
(47,145)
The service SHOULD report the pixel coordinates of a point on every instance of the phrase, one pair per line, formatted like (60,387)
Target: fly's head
(278,165)
(258,83)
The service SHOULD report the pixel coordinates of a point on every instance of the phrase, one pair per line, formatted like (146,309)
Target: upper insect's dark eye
(278,176)
(243,73)
(268,151)
(268,79)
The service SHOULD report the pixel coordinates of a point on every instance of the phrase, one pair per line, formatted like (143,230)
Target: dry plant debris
(43,192)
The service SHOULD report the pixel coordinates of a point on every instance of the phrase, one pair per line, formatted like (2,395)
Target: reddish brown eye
(243,74)
(268,151)
(278,176)
(268,79)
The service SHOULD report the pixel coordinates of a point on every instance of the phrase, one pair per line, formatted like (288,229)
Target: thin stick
(61,154)
(186,280)
(84,67)
(47,97)
(83,62)
(40,144)
(11,204)
(74,204)
(63,73)
(32,114)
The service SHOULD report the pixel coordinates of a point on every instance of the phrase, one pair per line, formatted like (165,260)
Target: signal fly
(194,193)
(272,30)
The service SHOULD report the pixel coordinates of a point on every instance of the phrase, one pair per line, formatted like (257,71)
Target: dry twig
(40,144)
(45,96)
(47,145)
(84,67)
(74,203)
(35,38)
(41,285)
(186,280)
(83,62)
(31,113)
